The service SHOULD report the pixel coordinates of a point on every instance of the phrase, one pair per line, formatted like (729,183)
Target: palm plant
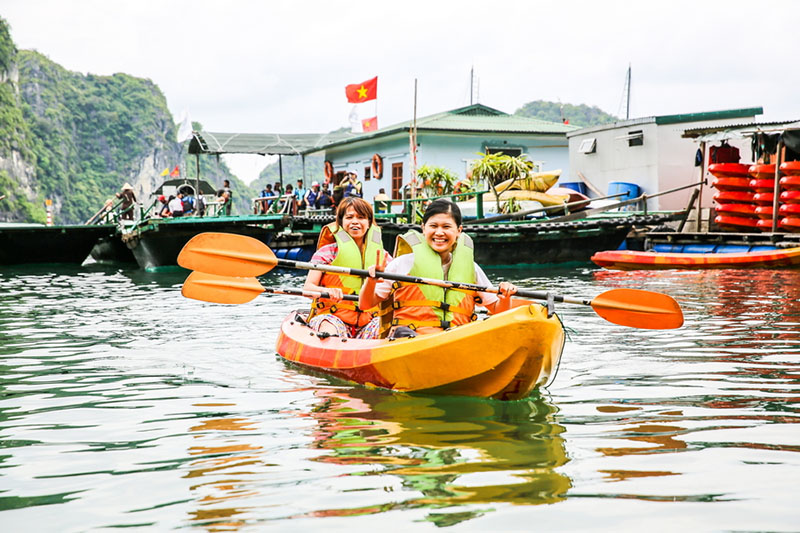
(495,168)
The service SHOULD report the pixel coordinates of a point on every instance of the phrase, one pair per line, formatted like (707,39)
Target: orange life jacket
(349,256)
(427,306)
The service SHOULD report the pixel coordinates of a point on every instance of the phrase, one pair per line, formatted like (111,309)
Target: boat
(762,171)
(36,243)
(729,170)
(464,361)
(790,168)
(633,260)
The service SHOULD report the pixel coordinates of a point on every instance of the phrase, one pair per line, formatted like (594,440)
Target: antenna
(628,92)
(471,82)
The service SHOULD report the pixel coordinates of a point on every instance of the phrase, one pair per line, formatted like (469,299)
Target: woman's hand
(506,289)
(334,293)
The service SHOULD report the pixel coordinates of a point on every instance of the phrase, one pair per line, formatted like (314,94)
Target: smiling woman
(353,241)
(443,252)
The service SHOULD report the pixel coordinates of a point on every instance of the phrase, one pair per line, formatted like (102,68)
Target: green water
(123,404)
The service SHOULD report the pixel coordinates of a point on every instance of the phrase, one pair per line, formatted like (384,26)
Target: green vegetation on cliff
(578,115)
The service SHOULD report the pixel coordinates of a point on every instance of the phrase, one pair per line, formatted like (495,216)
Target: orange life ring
(377,166)
(328,169)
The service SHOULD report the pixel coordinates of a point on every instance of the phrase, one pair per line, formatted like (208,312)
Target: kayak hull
(632,260)
(504,357)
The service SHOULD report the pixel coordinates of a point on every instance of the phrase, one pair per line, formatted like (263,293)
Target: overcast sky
(274,66)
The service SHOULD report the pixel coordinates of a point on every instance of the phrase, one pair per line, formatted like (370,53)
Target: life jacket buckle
(445,306)
(395,304)
(445,324)
(333,309)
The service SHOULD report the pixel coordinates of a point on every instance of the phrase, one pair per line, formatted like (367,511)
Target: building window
(588,146)
(513,152)
(397,180)
(367,173)
(635,138)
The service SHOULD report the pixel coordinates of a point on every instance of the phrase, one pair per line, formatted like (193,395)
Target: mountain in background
(76,139)
(578,115)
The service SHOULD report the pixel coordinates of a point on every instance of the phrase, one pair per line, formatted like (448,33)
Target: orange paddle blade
(227,254)
(220,289)
(638,309)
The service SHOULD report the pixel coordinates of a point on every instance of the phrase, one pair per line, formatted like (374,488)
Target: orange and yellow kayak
(632,260)
(505,356)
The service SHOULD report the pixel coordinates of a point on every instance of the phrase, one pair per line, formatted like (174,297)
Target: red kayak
(791,168)
(790,224)
(747,210)
(762,171)
(762,185)
(764,211)
(765,224)
(631,260)
(789,210)
(790,197)
(723,197)
(764,198)
(729,170)
(791,182)
(731,184)
(735,222)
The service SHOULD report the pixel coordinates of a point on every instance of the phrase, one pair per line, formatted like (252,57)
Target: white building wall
(454,152)
(664,161)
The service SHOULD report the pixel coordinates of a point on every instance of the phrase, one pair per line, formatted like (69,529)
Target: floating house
(647,155)
(452,139)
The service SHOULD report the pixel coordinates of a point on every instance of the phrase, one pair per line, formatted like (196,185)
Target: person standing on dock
(128,199)
(226,195)
(176,205)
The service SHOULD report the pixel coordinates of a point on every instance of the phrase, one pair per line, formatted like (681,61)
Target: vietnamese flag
(369,124)
(176,172)
(362,92)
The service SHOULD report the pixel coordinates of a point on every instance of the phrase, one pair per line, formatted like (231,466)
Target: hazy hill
(578,115)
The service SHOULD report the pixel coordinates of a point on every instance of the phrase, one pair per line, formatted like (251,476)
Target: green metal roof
(673,119)
(476,118)
(710,115)
(206,142)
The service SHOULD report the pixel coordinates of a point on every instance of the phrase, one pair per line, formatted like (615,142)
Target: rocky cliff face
(94,133)
(17,162)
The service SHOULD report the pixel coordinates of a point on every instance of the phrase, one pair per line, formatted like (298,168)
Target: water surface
(123,404)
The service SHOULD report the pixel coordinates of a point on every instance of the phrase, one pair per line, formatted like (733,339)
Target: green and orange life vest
(349,256)
(427,306)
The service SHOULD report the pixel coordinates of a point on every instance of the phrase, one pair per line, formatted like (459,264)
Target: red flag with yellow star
(369,124)
(362,92)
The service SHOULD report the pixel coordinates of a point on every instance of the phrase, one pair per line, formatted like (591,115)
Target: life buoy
(328,169)
(377,166)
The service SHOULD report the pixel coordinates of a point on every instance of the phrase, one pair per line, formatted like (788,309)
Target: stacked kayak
(735,202)
(633,260)
(789,210)
(504,357)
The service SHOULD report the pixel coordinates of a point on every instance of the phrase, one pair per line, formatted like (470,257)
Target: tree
(495,168)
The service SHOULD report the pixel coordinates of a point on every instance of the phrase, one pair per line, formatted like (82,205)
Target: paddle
(227,254)
(235,290)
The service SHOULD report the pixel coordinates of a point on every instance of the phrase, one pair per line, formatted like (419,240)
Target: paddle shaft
(308,294)
(457,285)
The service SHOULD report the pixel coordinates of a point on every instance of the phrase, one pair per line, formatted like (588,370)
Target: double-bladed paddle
(227,254)
(234,290)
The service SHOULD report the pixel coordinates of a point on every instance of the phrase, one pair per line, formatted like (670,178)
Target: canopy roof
(476,118)
(738,131)
(206,142)
(205,187)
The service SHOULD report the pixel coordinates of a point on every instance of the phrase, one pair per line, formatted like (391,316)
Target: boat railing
(410,210)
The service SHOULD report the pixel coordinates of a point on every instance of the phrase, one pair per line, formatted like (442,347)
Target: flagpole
(413,141)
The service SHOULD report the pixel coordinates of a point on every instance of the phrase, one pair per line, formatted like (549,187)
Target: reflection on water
(123,404)
(448,451)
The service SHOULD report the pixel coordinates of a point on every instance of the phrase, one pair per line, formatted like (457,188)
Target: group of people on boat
(397,309)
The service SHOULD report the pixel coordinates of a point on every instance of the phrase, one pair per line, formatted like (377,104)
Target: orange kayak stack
(735,201)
